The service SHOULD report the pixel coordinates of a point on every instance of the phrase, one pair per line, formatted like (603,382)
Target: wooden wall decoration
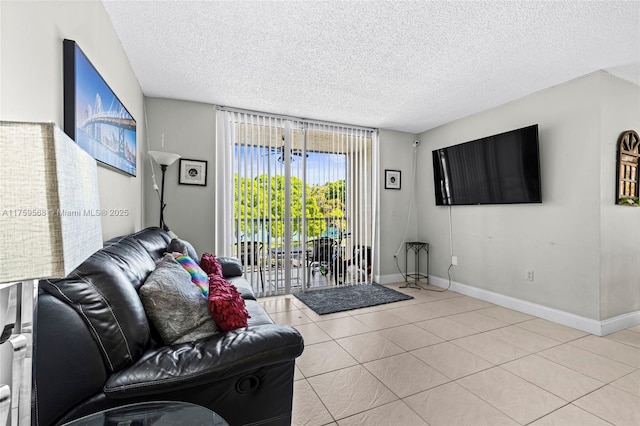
(628,156)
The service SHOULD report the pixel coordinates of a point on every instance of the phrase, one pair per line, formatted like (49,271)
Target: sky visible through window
(321,167)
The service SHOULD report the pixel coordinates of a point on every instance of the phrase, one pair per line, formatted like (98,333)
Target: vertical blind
(295,200)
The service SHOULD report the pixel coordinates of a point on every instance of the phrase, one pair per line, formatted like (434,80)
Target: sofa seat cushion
(209,360)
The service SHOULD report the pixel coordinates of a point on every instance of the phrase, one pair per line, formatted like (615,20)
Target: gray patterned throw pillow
(176,307)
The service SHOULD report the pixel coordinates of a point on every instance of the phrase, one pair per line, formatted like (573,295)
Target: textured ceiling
(407,66)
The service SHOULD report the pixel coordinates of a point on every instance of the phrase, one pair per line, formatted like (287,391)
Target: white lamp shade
(50,217)
(164,158)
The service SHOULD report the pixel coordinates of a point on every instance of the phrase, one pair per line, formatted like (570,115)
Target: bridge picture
(102,125)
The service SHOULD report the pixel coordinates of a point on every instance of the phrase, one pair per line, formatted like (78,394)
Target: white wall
(394,216)
(189,129)
(620,225)
(560,239)
(31,82)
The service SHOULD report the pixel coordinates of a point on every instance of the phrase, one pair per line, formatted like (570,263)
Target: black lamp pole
(164,160)
(163,167)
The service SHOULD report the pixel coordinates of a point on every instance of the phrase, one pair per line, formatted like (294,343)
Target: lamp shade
(50,217)
(164,158)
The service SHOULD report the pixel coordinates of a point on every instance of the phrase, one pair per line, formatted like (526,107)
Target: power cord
(450,252)
(406,229)
(413,180)
(153,171)
(422,287)
(398,267)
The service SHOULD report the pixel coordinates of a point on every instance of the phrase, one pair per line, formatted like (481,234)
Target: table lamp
(50,221)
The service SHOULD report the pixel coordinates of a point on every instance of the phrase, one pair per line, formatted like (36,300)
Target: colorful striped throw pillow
(198,276)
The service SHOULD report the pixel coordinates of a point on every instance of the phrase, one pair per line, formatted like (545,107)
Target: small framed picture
(193,172)
(392,179)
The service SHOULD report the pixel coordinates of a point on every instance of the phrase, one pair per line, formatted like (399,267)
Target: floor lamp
(164,160)
(50,223)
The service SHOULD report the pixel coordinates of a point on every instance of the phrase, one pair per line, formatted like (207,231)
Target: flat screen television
(499,169)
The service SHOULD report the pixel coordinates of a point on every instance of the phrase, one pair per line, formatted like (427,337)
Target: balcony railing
(262,252)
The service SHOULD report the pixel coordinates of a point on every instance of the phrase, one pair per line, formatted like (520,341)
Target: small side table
(160,413)
(416,246)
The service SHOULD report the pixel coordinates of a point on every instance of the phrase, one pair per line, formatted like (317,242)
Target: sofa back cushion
(231,266)
(132,258)
(154,240)
(104,297)
(104,292)
(68,367)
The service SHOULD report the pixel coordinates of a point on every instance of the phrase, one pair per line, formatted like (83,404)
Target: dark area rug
(338,299)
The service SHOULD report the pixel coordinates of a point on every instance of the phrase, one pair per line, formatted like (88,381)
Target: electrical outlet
(454,260)
(528,275)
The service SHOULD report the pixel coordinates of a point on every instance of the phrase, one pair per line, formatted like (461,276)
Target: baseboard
(588,325)
(611,325)
(388,279)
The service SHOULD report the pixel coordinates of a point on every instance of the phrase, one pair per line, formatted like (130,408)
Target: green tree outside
(325,206)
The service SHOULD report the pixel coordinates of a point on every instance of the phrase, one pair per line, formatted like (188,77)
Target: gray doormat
(338,299)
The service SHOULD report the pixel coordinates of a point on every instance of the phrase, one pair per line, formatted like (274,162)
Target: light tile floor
(448,359)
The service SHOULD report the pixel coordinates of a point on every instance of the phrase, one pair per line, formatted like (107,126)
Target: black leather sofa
(94,347)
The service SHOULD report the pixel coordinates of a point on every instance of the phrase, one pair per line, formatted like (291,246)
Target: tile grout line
(388,307)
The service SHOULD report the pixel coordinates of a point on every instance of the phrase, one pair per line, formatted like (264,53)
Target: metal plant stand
(416,246)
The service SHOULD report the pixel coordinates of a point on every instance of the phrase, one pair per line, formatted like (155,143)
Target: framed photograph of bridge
(94,116)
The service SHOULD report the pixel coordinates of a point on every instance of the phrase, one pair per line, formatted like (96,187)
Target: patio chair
(361,259)
(250,254)
(319,256)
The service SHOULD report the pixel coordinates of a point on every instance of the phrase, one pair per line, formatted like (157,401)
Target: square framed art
(193,172)
(392,179)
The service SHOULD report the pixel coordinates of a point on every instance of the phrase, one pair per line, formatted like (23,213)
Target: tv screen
(499,169)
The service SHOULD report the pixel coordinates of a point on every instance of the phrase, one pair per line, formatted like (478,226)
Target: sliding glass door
(302,201)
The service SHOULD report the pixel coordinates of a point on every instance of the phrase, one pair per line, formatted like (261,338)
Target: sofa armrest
(206,361)
(231,266)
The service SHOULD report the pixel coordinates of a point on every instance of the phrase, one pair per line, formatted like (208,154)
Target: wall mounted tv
(499,169)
